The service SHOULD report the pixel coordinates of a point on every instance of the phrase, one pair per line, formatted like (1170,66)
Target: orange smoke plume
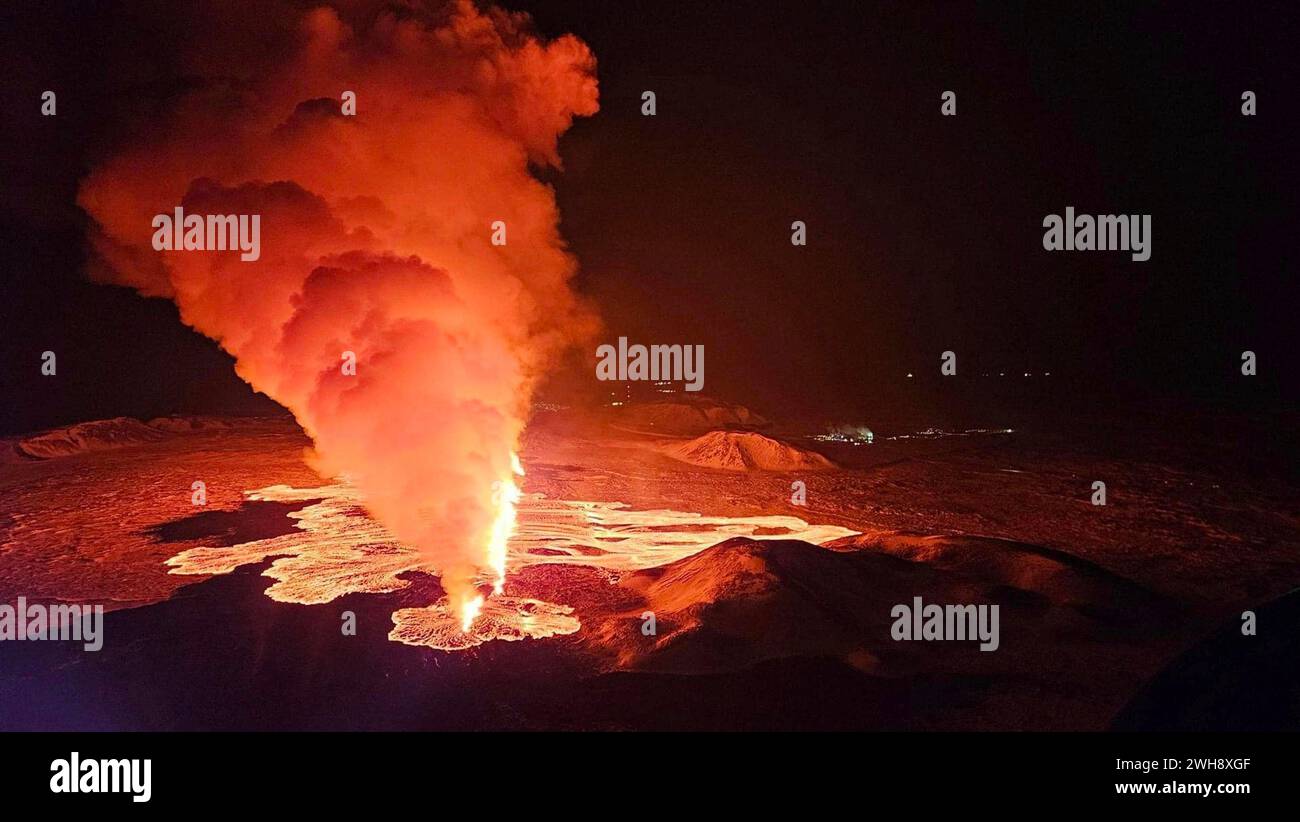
(375,239)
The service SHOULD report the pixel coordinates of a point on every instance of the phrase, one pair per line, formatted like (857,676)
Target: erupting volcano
(354,361)
(412,286)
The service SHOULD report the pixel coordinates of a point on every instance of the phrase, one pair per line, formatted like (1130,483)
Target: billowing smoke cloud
(375,239)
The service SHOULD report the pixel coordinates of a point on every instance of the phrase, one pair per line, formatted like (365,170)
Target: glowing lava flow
(337,549)
(506,495)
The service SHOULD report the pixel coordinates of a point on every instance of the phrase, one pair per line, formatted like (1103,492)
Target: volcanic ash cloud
(375,239)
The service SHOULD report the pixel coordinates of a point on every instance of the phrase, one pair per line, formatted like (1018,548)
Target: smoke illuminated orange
(377,246)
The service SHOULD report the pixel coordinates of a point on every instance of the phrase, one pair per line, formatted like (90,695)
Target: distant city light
(850,435)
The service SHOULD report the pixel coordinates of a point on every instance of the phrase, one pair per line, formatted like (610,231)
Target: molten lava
(338,550)
(506,495)
(470,611)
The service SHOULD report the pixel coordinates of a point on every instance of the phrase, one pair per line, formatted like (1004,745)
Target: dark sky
(924,231)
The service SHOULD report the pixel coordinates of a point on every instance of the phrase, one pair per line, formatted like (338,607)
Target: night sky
(924,231)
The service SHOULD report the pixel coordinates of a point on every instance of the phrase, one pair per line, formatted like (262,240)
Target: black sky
(924,231)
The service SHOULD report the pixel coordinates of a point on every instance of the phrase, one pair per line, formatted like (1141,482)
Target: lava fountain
(506,496)
(411,286)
